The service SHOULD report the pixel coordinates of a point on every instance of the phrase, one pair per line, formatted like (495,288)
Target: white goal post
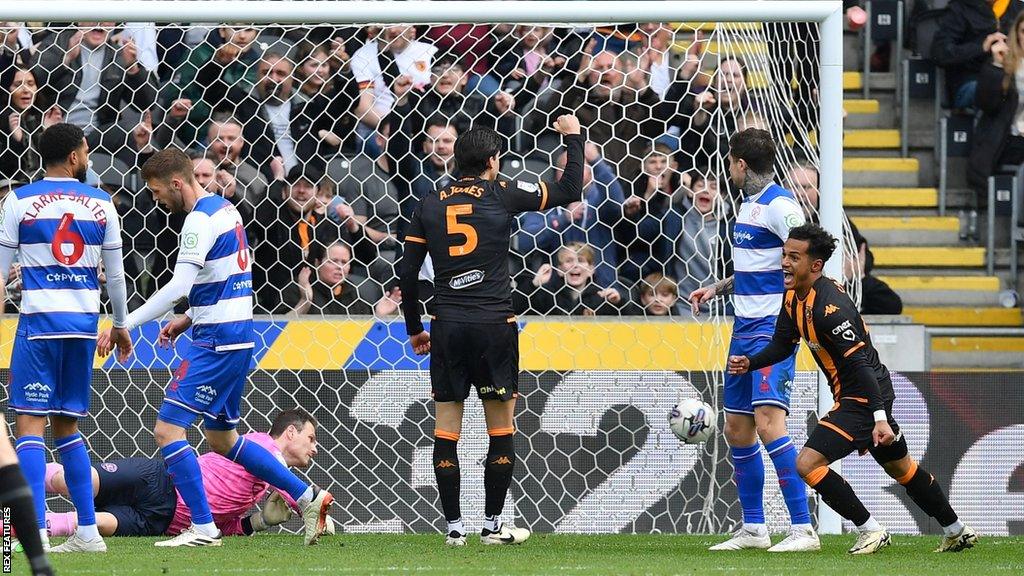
(826,14)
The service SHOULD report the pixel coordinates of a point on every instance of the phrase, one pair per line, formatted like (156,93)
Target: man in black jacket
(964,42)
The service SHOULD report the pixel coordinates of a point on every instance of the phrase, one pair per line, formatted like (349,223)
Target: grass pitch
(542,554)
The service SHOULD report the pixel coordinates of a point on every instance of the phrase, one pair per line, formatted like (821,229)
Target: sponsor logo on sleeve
(528,187)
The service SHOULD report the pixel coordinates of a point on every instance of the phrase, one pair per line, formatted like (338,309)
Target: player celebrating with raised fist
(818,310)
(756,404)
(465,228)
(214,270)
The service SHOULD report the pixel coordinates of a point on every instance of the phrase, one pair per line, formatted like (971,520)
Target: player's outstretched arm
(783,343)
(569,187)
(163,301)
(117,291)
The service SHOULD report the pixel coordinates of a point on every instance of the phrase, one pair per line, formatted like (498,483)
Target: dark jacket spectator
(92,79)
(284,227)
(226,60)
(876,297)
(701,233)
(22,123)
(1000,129)
(569,288)
(326,286)
(964,41)
(323,113)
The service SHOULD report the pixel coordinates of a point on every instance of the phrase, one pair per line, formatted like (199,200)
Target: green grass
(542,554)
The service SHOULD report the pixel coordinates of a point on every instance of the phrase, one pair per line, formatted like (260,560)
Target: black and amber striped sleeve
(528,196)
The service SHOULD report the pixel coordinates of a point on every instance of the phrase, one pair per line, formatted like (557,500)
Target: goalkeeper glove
(275,511)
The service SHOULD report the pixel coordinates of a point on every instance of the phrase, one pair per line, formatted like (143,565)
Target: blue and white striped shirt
(60,228)
(762,227)
(220,301)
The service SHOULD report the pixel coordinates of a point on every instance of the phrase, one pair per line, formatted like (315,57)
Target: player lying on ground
(136,497)
(214,269)
(756,405)
(465,228)
(818,310)
(61,231)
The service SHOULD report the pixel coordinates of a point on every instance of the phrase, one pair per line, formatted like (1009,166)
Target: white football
(693,421)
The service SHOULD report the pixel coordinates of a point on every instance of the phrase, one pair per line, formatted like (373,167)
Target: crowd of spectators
(325,138)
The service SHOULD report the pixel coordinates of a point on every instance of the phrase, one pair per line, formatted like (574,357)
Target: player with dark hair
(756,405)
(136,496)
(61,230)
(818,310)
(214,270)
(474,340)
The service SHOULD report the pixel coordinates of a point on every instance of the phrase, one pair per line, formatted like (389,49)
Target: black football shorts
(464,355)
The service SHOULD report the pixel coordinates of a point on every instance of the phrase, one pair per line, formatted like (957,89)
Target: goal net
(324,138)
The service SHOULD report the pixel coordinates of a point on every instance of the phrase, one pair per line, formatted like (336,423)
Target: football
(693,421)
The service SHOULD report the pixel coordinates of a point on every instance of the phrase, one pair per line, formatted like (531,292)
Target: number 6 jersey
(220,301)
(60,228)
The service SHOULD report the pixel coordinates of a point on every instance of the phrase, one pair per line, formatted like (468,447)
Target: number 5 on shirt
(452,214)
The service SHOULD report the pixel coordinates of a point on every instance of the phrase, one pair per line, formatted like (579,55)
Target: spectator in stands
(656,56)
(225,146)
(92,78)
(225,60)
(570,288)
(283,230)
(369,186)
(270,126)
(656,295)
(876,297)
(436,167)
(15,44)
(219,181)
(471,47)
(641,236)
(964,41)
(1000,130)
(705,117)
(27,116)
(386,69)
(530,64)
(802,180)
(326,286)
(590,221)
(613,98)
(701,233)
(323,113)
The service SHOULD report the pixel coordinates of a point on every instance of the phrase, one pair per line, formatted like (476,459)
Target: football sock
(32,456)
(837,493)
(448,475)
(16,495)
(871,525)
(456,526)
(492,523)
(783,455)
(748,469)
(62,523)
(183,466)
(926,493)
(78,477)
(953,529)
(501,462)
(261,463)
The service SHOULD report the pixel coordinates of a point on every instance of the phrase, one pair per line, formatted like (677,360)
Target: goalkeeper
(136,497)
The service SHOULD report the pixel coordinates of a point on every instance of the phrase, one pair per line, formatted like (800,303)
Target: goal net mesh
(325,137)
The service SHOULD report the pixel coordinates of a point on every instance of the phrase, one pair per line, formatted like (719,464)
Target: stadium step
(928,257)
(964,315)
(977,352)
(890,198)
(909,230)
(945,290)
(867,114)
(873,172)
(871,139)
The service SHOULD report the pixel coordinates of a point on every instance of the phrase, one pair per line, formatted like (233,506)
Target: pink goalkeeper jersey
(231,490)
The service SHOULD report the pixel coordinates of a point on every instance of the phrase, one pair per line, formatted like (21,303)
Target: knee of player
(739,432)
(770,423)
(902,469)
(165,433)
(807,462)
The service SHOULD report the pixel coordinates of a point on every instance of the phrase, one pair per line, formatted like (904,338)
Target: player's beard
(81,174)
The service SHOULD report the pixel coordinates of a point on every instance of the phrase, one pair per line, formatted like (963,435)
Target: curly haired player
(818,310)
